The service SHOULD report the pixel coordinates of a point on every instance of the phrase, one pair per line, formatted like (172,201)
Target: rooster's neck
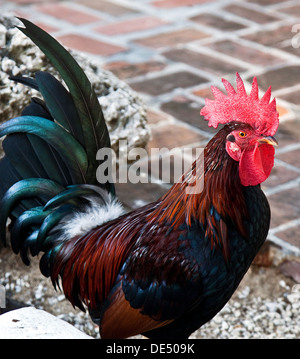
(217,189)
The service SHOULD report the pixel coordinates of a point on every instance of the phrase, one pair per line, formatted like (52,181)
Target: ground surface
(266,304)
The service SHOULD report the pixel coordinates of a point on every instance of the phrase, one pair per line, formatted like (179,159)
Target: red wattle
(256,164)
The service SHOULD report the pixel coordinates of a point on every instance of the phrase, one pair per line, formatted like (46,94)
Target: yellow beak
(270,140)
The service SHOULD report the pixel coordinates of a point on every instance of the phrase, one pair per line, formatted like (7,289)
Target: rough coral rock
(124,111)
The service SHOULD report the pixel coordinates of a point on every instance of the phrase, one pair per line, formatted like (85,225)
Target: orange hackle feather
(180,206)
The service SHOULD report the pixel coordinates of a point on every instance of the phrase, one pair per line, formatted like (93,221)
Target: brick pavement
(172,51)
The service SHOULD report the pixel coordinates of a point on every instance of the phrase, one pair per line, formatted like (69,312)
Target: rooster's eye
(242,134)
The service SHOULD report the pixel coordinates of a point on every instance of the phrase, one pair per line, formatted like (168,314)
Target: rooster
(164,269)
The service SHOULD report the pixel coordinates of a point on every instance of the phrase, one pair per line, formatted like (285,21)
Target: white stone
(31,323)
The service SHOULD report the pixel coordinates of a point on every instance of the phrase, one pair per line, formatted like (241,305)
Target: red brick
(67,13)
(291,157)
(187,111)
(172,38)
(292,96)
(272,37)
(291,235)
(155,116)
(105,6)
(204,93)
(280,78)
(279,175)
(249,14)
(204,62)
(288,132)
(47,27)
(217,22)
(177,3)
(292,10)
(285,206)
(125,70)
(280,38)
(167,83)
(246,53)
(172,137)
(290,49)
(92,46)
(137,24)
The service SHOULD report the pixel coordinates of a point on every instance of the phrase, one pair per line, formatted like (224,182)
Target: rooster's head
(253,123)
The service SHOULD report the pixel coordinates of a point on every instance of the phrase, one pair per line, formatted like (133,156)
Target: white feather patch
(94,215)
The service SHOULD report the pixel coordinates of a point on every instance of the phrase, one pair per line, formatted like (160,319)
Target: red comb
(261,114)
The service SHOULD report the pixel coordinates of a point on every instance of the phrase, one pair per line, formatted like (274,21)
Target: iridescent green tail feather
(49,168)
